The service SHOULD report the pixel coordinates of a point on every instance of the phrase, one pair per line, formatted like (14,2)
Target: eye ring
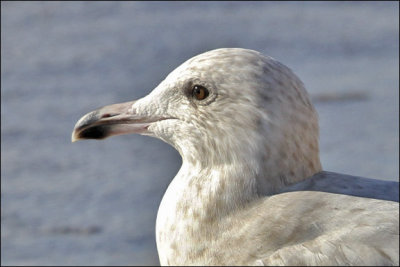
(200,92)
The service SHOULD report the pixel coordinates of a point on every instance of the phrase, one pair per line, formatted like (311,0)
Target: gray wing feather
(338,183)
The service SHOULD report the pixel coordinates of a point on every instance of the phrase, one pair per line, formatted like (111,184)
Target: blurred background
(95,203)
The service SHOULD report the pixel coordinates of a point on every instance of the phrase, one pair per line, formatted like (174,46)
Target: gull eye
(200,92)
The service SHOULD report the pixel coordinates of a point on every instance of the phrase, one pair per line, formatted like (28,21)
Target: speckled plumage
(243,195)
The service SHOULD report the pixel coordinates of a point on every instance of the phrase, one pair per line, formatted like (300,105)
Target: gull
(251,189)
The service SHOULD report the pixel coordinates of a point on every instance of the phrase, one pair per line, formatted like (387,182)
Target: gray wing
(328,219)
(318,228)
(338,183)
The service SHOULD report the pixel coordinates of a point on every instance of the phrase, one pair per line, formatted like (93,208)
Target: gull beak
(111,120)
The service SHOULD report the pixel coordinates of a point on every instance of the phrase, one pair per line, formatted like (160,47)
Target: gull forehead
(223,63)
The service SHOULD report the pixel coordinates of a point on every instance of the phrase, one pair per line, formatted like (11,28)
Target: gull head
(228,106)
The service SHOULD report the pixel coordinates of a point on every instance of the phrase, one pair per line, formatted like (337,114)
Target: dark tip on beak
(97,132)
(83,130)
(105,122)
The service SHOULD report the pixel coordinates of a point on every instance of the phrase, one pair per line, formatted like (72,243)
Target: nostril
(108,115)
